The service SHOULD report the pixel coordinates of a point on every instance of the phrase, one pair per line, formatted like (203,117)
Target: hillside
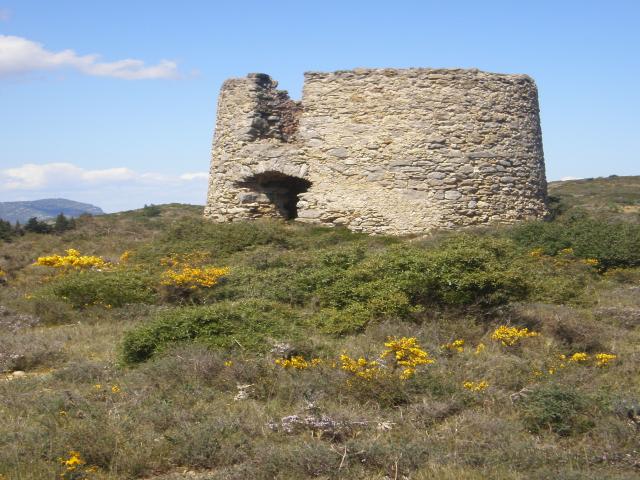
(45,209)
(170,348)
(612,197)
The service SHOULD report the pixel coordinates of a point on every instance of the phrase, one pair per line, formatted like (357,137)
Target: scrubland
(155,345)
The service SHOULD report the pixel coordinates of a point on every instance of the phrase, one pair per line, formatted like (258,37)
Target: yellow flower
(579,357)
(567,251)
(603,359)
(72,259)
(455,346)
(361,367)
(126,255)
(298,362)
(74,466)
(407,353)
(115,389)
(74,460)
(510,336)
(536,252)
(592,262)
(475,386)
(228,363)
(97,386)
(480,348)
(193,277)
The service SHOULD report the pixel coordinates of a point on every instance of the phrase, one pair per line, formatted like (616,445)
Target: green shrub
(613,244)
(220,239)
(151,211)
(559,409)
(108,288)
(402,280)
(249,325)
(349,286)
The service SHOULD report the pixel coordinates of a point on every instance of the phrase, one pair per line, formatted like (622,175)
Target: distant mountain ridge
(45,209)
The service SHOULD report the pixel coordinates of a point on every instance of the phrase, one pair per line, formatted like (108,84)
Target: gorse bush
(72,259)
(113,288)
(612,244)
(558,409)
(343,288)
(463,271)
(247,325)
(220,239)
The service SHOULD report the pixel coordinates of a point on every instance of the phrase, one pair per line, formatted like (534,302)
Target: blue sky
(78,122)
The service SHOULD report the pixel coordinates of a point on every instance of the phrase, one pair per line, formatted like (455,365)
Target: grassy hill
(171,348)
(612,197)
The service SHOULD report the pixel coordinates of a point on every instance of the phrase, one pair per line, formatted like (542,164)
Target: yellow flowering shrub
(592,262)
(72,259)
(361,368)
(579,357)
(603,359)
(74,467)
(404,353)
(556,364)
(480,348)
(187,271)
(298,362)
(193,277)
(455,346)
(510,336)
(407,354)
(475,386)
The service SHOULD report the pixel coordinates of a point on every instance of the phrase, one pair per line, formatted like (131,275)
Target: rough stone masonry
(380,150)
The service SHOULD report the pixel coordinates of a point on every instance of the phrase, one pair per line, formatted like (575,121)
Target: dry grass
(175,416)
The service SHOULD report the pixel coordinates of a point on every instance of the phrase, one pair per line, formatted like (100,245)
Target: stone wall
(380,150)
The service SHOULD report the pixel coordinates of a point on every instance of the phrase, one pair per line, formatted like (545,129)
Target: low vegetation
(152,344)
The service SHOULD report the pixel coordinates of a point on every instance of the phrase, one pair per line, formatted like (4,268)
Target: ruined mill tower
(380,150)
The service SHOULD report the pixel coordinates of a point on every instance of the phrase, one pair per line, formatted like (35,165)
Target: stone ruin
(381,151)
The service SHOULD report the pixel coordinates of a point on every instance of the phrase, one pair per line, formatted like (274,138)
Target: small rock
(339,152)
(452,195)
(243,392)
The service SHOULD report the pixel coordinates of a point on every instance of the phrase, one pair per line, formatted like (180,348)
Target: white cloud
(570,178)
(194,176)
(112,189)
(21,56)
(5,14)
(31,176)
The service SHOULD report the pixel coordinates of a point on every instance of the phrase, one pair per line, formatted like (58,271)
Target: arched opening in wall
(279,190)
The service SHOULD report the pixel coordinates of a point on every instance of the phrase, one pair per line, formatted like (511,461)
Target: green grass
(177,362)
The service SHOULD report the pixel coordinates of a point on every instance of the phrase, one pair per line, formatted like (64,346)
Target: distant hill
(615,197)
(44,209)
